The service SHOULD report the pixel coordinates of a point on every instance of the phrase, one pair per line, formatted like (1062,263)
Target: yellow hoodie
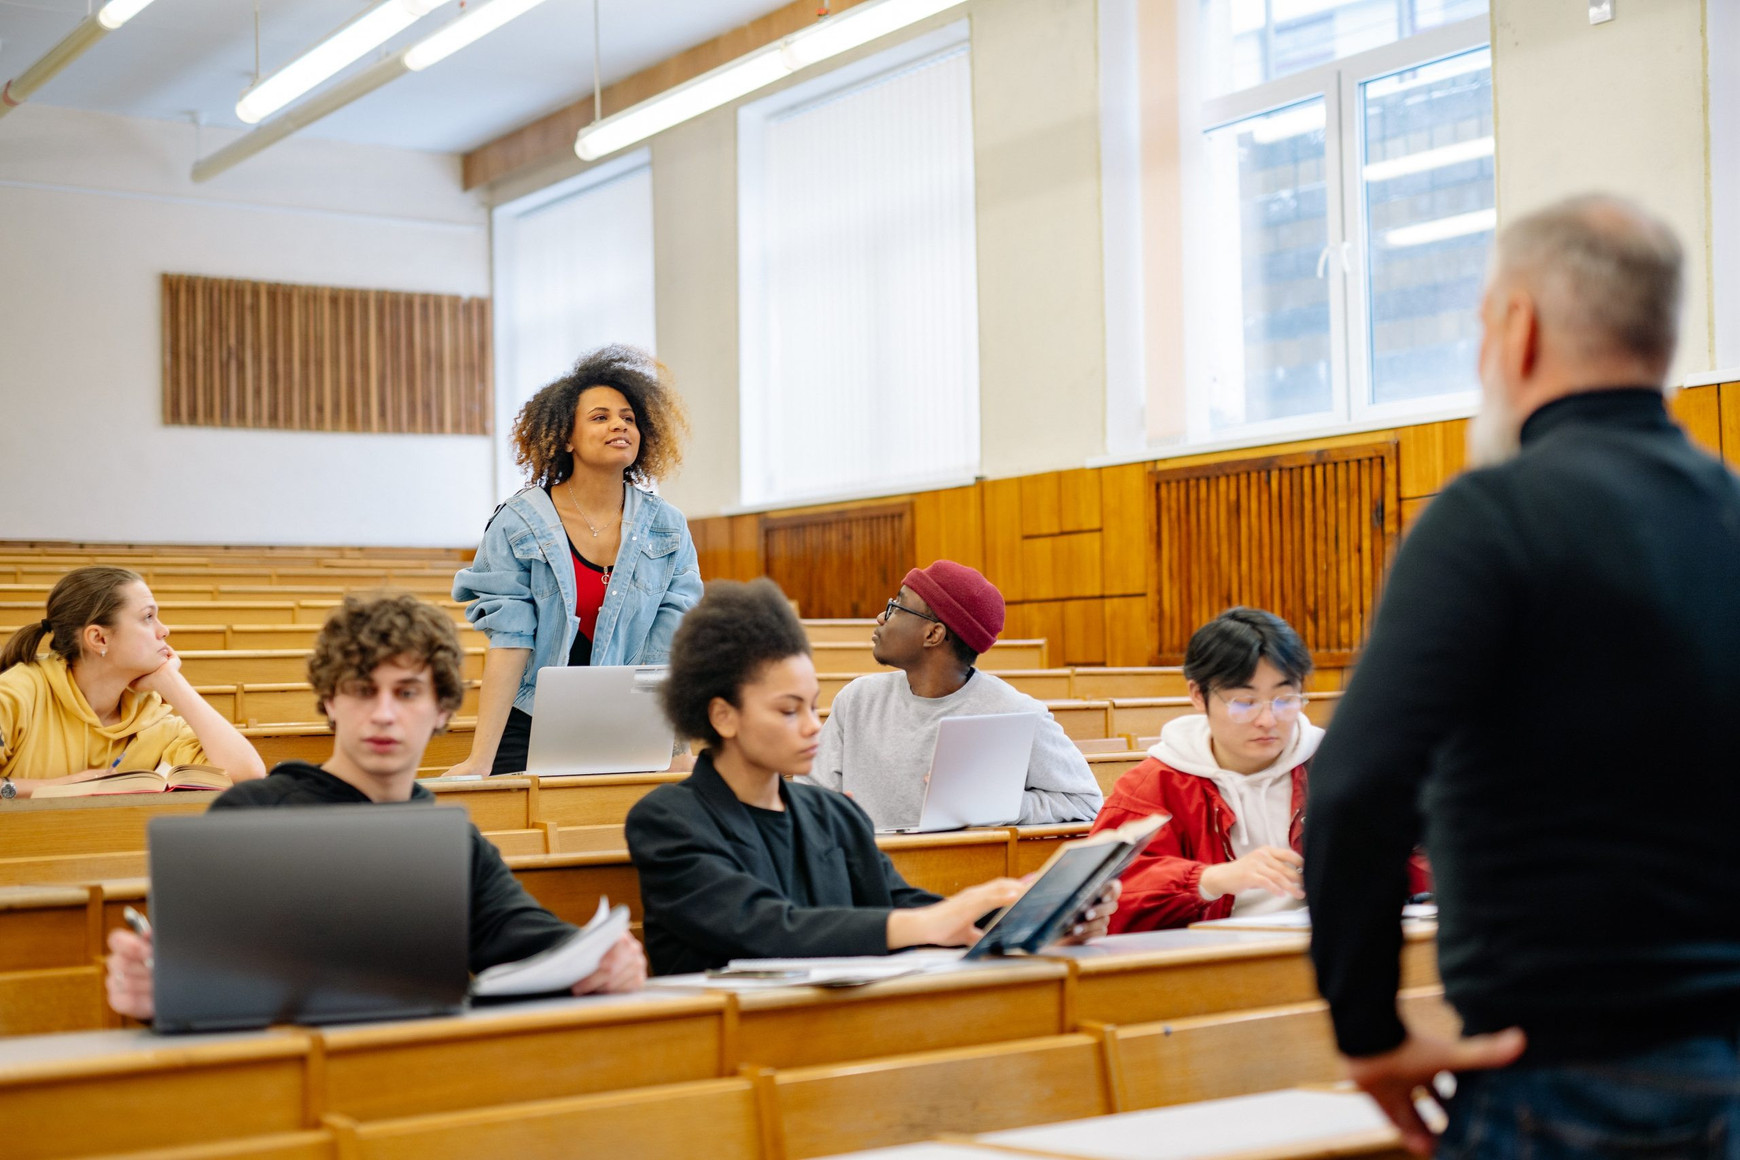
(48,729)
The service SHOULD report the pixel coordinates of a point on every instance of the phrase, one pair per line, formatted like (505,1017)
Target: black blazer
(711,893)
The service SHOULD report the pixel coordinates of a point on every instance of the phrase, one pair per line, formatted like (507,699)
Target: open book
(164,779)
(559,967)
(1070,879)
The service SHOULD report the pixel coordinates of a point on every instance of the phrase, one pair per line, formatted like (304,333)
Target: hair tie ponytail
(47,625)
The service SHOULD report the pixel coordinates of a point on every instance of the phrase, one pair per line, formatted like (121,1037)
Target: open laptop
(599,719)
(977,773)
(309,914)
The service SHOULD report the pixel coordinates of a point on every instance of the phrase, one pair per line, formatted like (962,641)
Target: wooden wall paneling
(1411,509)
(1307,535)
(1126,529)
(1129,634)
(840,563)
(1729,408)
(949,525)
(1041,504)
(1002,532)
(288,357)
(746,558)
(1699,411)
(1079,507)
(1431,455)
(1084,633)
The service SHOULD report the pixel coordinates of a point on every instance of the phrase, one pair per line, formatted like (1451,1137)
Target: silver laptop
(599,719)
(309,914)
(977,774)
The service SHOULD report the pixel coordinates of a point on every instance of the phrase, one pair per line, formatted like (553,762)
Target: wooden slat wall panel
(840,563)
(1306,536)
(316,358)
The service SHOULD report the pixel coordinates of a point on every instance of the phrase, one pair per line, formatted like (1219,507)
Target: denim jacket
(520,587)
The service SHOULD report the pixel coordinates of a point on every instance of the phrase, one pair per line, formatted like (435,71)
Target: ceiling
(181,57)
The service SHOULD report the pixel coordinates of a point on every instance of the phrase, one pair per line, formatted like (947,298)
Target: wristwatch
(8,791)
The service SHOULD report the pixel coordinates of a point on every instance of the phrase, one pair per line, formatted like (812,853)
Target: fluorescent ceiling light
(856,26)
(117,12)
(1442,229)
(674,106)
(472,26)
(1393,167)
(349,44)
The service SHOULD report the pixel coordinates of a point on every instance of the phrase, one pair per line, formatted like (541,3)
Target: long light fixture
(350,43)
(437,46)
(1472,149)
(89,30)
(856,26)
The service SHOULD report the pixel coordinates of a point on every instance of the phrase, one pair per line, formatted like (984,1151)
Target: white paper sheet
(563,965)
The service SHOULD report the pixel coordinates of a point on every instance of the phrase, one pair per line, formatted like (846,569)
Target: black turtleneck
(1548,701)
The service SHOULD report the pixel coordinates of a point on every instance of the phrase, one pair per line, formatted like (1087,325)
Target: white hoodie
(1261,802)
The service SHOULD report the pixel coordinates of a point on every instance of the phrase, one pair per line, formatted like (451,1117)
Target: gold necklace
(574,499)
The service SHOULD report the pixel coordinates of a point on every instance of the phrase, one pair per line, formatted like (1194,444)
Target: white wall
(1617,108)
(93,209)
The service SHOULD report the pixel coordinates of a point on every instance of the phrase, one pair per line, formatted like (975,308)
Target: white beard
(1495,432)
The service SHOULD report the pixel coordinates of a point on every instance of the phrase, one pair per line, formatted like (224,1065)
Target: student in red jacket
(1232,777)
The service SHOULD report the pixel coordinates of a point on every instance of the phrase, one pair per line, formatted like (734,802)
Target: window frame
(1339,84)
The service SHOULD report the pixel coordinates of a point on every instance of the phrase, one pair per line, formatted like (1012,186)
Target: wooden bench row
(1153,1019)
(189,613)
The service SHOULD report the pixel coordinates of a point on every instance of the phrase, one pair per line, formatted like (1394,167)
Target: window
(1337,211)
(573,272)
(858,293)
(1348,202)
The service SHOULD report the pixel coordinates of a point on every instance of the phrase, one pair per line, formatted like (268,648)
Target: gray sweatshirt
(879,739)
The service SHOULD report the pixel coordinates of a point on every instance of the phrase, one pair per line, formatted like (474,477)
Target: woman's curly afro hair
(721,644)
(546,423)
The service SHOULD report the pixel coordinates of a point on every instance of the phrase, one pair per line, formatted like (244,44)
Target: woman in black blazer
(736,861)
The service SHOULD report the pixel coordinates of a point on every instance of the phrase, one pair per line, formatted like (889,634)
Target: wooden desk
(524,1051)
(97,1092)
(1173,974)
(960,1007)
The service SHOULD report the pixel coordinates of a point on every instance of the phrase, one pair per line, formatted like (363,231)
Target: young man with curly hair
(586,566)
(387,673)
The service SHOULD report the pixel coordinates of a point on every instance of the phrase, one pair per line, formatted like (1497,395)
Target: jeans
(1677,1101)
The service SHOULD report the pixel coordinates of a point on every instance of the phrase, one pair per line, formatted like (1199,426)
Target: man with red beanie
(881,732)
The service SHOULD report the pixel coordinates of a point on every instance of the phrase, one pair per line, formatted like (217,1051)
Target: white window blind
(574,271)
(859,294)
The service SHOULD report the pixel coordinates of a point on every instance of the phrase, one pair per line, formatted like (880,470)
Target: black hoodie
(507,924)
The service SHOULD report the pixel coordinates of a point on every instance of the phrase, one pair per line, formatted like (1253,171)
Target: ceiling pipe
(90,30)
(431,50)
(301,116)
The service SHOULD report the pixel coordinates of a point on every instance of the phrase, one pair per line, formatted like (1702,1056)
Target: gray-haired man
(1548,698)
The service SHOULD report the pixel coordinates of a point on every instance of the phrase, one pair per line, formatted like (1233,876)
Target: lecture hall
(898,579)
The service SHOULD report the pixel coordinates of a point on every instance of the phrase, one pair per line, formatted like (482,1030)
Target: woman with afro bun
(586,565)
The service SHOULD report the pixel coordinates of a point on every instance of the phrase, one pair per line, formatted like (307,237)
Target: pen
(141,927)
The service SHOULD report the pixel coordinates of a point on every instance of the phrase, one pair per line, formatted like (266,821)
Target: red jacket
(1160,887)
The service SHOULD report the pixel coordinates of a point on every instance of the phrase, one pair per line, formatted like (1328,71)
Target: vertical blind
(579,275)
(859,293)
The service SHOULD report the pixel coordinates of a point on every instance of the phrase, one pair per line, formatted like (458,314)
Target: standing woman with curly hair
(586,566)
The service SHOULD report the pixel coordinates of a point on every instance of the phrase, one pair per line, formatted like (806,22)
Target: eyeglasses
(1244,710)
(895,606)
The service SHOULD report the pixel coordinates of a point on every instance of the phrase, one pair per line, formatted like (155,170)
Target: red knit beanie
(968,604)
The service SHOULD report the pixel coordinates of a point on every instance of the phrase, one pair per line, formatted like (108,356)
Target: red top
(1160,887)
(590,583)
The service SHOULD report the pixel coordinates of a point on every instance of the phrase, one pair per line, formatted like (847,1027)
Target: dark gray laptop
(309,914)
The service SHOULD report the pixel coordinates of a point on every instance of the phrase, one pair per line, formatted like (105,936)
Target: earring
(102,652)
